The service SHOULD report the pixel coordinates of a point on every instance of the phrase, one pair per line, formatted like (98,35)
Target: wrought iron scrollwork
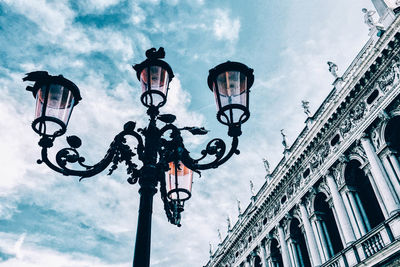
(170,149)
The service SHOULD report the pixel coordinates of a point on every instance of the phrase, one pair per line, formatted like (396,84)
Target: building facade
(334,198)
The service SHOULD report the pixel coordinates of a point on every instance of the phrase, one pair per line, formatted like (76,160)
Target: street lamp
(165,160)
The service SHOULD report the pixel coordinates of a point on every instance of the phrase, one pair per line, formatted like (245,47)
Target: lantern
(179,182)
(154,76)
(230,82)
(55,99)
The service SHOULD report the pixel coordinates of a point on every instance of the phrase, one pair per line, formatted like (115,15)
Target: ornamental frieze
(358,111)
(345,126)
(324,150)
(386,79)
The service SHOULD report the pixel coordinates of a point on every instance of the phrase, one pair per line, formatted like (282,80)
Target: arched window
(362,200)
(298,245)
(391,159)
(276,256)
(392,132)
(328,233)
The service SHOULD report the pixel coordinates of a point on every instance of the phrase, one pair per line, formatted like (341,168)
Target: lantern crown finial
(42,77)
(152,53)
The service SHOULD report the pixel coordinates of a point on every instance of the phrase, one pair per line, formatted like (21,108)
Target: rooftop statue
(228,220)
(239,208)
(333,68)
(369,19)
(306,106)
(284,143)
(219,236)
(266,166)
(252,188)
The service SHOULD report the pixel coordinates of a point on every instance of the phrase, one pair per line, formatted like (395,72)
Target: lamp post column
(143,234)
(148,182)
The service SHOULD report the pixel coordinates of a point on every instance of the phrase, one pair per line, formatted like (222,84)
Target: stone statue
(238,205)
(284,143)
(333,68)
(252,188)
(306,107)
(228,220)
(266,166)
(211,252)
(369,19)
(219,236)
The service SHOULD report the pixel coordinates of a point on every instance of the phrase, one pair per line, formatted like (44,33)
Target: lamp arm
(215,147)
(71,155)
(118,151)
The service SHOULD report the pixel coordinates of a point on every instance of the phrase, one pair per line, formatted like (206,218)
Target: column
(396,166)
(380,177)
(263,254)
(343,218)
(328,240)
(389,167)
(362,210)
(284,248)
(316,260)
(377,194)
(293,252)
(323,237)
(351,214)
(337,223)
(357,213)
(270,262)
(299,255)
(319,240)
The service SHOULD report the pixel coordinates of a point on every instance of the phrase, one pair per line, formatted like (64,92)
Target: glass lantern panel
(232,88)
(179,181)
(159,81)
(59,105)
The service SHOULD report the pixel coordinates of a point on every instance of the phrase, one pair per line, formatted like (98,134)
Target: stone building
(334,198)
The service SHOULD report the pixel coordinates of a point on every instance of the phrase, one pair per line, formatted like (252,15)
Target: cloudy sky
(50,220)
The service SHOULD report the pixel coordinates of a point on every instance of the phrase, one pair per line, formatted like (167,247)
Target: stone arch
(363,201)
(328,231)
(321,189)
(296,214)
(390,157)
(390,132)
(356,157)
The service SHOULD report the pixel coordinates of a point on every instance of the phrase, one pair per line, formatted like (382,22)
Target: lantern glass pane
(159,81)
(179,181)
(232,89)
(59,105)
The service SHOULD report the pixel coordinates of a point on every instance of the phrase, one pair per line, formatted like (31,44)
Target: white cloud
(31,255)
(225,27)
(18,245)
(97,6)
(52,17)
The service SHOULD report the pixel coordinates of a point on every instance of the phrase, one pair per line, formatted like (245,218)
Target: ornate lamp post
(165,160)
